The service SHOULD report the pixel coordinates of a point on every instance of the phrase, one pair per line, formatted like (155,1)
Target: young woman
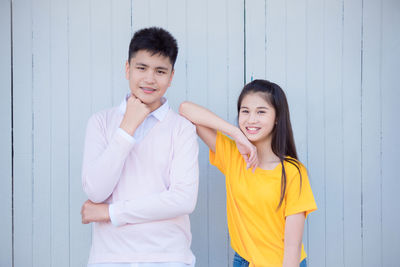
(268,191)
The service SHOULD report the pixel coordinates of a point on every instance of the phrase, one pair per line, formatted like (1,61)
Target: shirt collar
(159,113)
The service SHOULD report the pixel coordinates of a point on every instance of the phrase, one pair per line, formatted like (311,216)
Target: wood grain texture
(337,61)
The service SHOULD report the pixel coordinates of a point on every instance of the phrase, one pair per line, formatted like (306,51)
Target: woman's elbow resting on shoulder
(183,108)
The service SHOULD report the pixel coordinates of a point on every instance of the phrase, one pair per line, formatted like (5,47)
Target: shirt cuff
(112,216)
(127,136)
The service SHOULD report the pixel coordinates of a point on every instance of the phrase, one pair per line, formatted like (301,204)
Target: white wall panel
(316,248)
(336,60)
(41,133)
(120,38)
(351,94)
(23,179)
(390,94)
(80,107)
(59,121)
(333,122)
(5,136)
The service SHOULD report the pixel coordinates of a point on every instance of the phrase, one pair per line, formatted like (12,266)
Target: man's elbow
(190,208)
(93,194)
(190,204)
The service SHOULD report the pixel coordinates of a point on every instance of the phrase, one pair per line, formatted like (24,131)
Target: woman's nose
(252,117)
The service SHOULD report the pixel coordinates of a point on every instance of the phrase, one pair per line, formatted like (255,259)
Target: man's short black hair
(156,41)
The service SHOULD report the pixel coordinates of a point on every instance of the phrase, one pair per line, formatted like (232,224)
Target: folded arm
(102,161)
(181,196)
(207,124)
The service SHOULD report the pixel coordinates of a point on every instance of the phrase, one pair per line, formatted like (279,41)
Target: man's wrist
(129,129)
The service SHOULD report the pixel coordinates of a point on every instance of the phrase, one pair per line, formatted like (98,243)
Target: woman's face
(256,118)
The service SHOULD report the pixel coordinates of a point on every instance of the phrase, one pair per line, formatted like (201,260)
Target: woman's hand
(247,150)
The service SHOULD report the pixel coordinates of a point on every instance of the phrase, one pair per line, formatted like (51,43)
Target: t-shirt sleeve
(224,149)
(299,199)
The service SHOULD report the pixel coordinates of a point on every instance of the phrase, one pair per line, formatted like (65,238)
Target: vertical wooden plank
(351,70)
(120,38)
(196,91)
(296,76)
(158,13)
(140,14)
(41,134)
(217,99)
(5,136)
(390,53)
(23,132)
(100,54)
(149,13)
(371,135)
(80,92)
(276,20)
(333,45)
(176,22)
(59,122)
(316,249)
(257,34)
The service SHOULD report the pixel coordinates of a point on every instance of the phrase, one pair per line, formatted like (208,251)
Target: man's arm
(102,161)
(179,199)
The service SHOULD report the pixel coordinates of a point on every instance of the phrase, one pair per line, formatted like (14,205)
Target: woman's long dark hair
(282,143)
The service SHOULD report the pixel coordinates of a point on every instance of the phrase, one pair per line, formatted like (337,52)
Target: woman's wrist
(236,133)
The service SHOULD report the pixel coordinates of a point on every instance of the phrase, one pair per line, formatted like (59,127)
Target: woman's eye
(245,111)
(140,68)
(261,112)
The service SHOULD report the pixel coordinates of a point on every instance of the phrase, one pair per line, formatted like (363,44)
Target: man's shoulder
(105,118)
(107,113)
(179,122)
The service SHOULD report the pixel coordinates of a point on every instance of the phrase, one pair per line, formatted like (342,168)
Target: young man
(140,168)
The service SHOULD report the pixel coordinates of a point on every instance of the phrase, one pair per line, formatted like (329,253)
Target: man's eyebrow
(145,65)
(141,64)
(161,68)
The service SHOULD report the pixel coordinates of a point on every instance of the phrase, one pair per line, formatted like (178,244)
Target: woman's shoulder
(226,141)
(293,165)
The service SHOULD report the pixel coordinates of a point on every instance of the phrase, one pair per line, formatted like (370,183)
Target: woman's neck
(266,157)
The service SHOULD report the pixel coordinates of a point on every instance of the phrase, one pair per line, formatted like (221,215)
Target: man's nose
(149,78)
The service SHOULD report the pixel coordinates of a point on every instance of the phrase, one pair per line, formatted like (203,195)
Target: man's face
(149,77)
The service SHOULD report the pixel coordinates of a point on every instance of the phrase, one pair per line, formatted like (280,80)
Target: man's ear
(127,70)
(172,76)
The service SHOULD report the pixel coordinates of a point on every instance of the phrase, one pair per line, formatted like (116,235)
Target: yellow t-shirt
(256,227)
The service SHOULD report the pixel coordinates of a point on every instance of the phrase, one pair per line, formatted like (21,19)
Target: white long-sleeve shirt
(151,182)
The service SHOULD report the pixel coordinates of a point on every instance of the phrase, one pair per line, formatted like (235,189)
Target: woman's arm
(293,239)
(207,124)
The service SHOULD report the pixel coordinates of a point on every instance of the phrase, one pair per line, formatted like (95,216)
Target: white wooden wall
(338,61)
